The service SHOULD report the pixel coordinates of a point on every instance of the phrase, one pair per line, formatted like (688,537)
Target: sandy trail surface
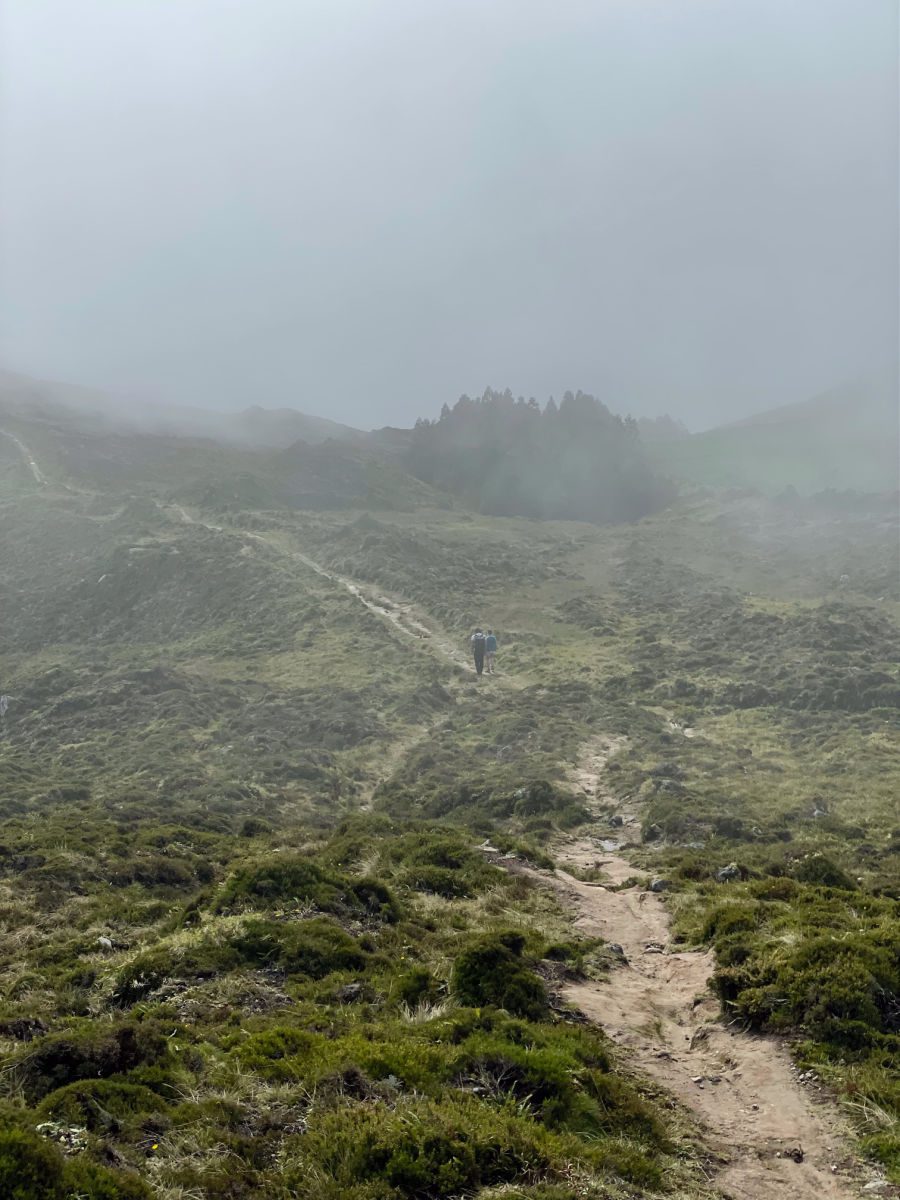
(770,1134)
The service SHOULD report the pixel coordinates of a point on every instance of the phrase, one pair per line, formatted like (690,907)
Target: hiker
(490,651)
(478,650)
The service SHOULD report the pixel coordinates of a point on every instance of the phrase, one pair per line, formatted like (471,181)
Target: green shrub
(96,1104)
(440,861)
(841,988)
(493,972)
(30,1168)
(415,986)
(821,870)
(377,899)
(314,947)
(83,1178)
(88,1050)
(282,881)
(730,918)
(155,871)
(144,974)
(424,1150)
(560,1082)
(885,1147)
(440,881)
(279,1053)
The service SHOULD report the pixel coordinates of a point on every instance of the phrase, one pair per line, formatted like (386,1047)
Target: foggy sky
(362,208)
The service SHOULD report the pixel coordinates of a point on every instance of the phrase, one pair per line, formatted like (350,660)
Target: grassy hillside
(251,944)
(847,439)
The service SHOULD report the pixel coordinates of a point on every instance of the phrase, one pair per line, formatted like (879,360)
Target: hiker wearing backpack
(478,651)
(490,651)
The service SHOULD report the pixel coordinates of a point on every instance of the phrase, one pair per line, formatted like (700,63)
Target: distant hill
(845,439)
(252,460)
(254,427)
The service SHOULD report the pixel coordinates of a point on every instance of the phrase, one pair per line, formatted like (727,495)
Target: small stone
(725,874)
(659,885)
(104,943)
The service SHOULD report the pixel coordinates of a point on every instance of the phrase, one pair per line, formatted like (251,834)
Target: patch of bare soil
(772,1135)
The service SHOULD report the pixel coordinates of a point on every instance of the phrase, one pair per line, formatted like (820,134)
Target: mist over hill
(848,438)
(495,454)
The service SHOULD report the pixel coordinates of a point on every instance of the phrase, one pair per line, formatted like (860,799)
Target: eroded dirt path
(28,458)
(401,614)
(772,1135)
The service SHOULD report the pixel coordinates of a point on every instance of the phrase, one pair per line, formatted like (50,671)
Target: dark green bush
(30,1168)
(155,871)
(440,881)
(562,1083)
(377,899)
(88,1050)
(99,1104)
(492,972)
(415,986)
(83,1178)
(272,1046)
(821,870)
(423,1151)
(284,880)
(730,918)
(144,974)
(314,947)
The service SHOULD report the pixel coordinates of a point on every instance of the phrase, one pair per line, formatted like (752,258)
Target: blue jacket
(490,644)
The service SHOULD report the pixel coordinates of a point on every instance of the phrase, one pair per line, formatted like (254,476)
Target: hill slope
(297,907)
(846,439)
(253,428)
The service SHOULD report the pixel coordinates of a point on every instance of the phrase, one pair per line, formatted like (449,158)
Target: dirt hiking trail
(27,457)
(771,1135)
(401,614)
